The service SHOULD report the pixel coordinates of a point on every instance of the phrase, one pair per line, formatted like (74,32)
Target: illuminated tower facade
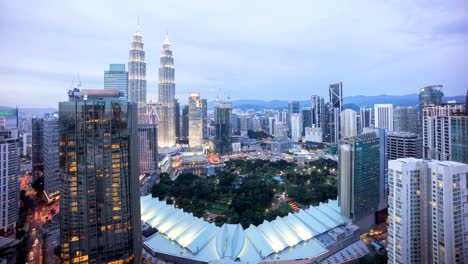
(137,75)
(166,93)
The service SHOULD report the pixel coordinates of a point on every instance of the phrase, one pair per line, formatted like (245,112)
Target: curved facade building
(166,93)
(137,75)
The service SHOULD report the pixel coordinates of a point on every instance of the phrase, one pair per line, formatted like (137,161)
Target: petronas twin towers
(166,88)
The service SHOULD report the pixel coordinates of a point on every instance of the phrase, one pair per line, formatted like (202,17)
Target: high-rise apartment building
(223,131)
(296,127)
(318,111)
(383,116)
(166,93)
(427,211)
(348,119)
(359,180)
(195,116)
(99,188)
(9,178)
(116,78)
(137,75)
(405,119)
(445,134)
(51,158)
(37,154)
(404,145)
(281,130)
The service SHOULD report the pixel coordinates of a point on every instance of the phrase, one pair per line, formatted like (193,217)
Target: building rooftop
(306,234)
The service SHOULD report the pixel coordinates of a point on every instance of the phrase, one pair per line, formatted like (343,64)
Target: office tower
(223,131)
(367,118)
(281,130)
(195,120)
(348,125)
(185,122)
(404,145)
(296,127)
(430,95)
(116,78)
(137,75)
(27,144)
(335,106)
(177,118)
(317,107)
(383,116)
(205,118)
(306,118)
(294,107)
(445,132)
(405,119)
(359,180)
(148,149)
(166,93)
(37,157)
(9,178)
(99,189)
(51,158)
(427,200)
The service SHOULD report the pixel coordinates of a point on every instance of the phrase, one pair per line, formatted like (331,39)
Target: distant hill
(351,102)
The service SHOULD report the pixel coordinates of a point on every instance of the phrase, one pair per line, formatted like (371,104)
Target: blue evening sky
(243,49)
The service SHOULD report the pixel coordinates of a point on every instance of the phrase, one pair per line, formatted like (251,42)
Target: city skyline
(223,46)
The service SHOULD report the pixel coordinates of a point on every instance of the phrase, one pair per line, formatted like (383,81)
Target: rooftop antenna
(79,81)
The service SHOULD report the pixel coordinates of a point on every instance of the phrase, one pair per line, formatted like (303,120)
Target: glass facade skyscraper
(223,130)
(99,187)
(116,78)
(37,157)
(51,158)
(195,116)
(166,93)
(137,75)
(9,178)
(405,119)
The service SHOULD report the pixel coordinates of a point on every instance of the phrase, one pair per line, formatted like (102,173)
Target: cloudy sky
(242,49)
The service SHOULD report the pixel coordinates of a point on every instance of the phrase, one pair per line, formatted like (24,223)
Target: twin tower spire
(166,87)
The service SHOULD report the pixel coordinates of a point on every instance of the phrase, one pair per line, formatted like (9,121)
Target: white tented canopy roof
(291,237)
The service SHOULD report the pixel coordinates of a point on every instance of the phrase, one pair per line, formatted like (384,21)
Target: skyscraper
(9,178)
(426,201)
(383,116)
(177,119)
(223,131)
(195,120)
(185,122)
(306,118)
(445,134)
(148,149)
(116,78)
(51,158)
(359,180)
(294,107)
(37,154)
(348,123)
(430,95)
(296,127)
(99,188)
(166,93)
(205,118)
(335,106)
(367,118)
(137,75)
(318,111)
(405,119)
(404,145)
